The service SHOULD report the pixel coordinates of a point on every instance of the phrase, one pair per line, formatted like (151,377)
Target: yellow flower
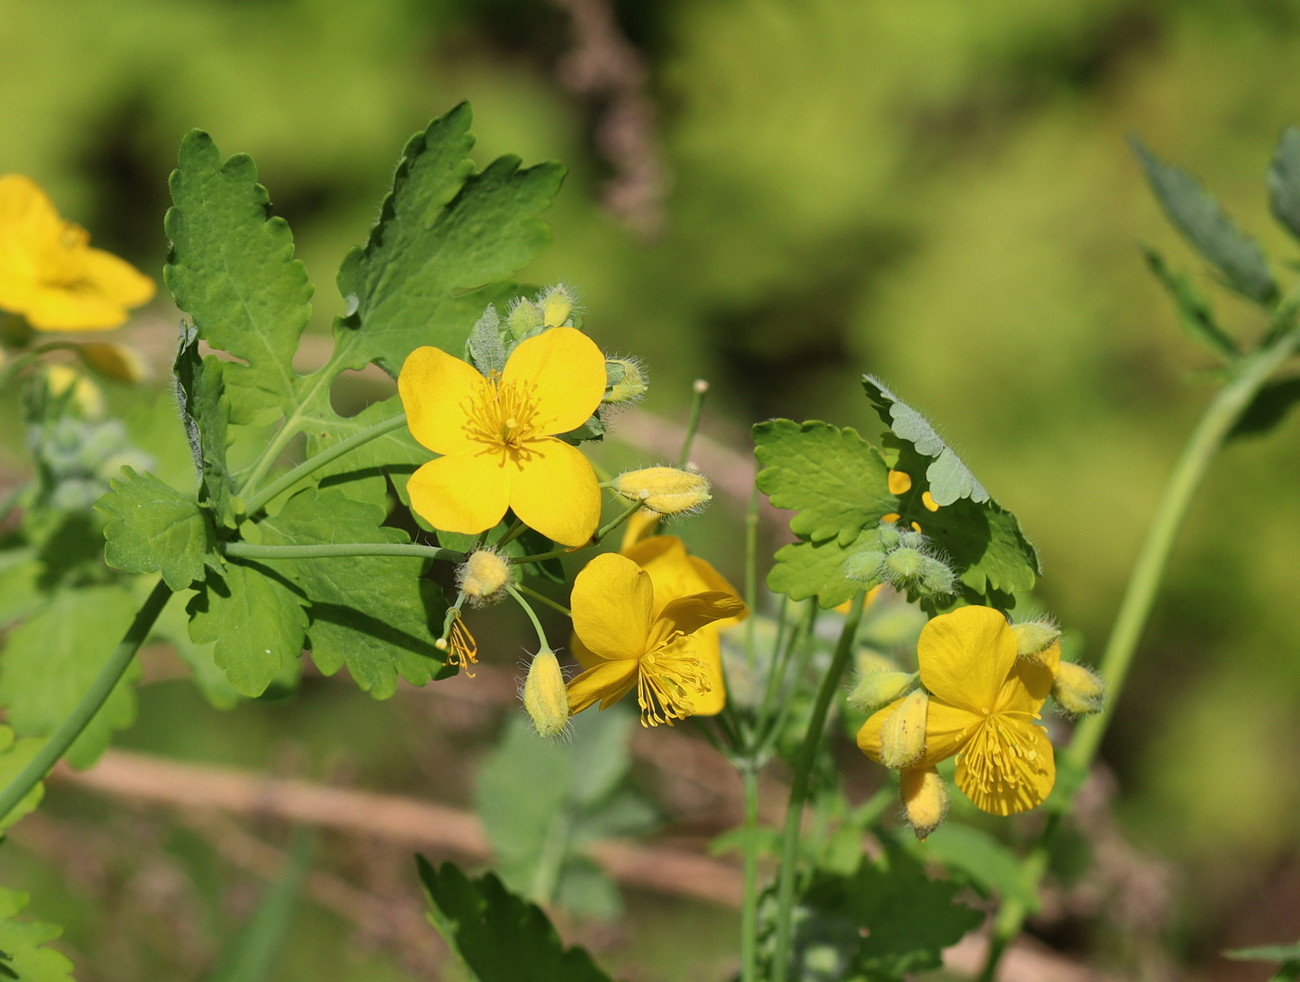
(626,635)
(51,275)
(497,437)
(983,703)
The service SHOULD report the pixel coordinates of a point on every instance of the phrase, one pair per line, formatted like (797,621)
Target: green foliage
(52,658)
(1284,181)
(370,613)
(498,936)
(1269,407)
(23,954)
(363,473)
(542,801)
(1194,312)
(232,270)
(201,394)
(257,622)
(152,527)
(1266,953)
(882,921)
(807,569)
(1197,214)
(14,756)
(986,863)
(253,954)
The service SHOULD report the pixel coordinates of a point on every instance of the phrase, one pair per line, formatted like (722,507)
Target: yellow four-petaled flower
(497,437)
(983,704)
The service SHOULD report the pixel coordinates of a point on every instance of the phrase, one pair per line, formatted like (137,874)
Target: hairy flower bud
(664,490)
(902,738)
(557,306)
(1035,637)
(904,565)
(545,698)
(625,381)
(864,567)
(876,689)
(1078,690)
(484,576)
(525,319)
(925,799)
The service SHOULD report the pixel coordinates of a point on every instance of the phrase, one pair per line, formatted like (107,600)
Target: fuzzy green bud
(864,567)
(888,535)
(625,381)
(904,565)
(1034,637)
(925,799)
(877,689)
(936,577)
(665,490)
(524,320)
(1077,690)
(545,698)
(902,737)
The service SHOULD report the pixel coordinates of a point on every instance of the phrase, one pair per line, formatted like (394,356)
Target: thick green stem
(1216,423)
(799,789)
(332,550)
(63,738)
(315,463)
(749,908)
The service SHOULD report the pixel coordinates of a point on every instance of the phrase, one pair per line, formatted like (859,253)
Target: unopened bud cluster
(906,560)
(553,307)
(665,490)
(625,381)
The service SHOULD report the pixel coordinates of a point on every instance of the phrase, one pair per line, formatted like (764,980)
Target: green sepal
(497,936)
(257,622)
(1284,181)
(153,528)
(22,945)
(1194,312)
(55,655)
(374,614)
(443,233)
(486,349)
(1198,216)
(231,268)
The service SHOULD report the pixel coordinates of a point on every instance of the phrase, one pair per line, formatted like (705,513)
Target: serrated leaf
(833,479)
(496,934)
(153,528)
(256,621)
(53,657)
(947,477)
(444,234)
(231,268)
(23,943)
(1197,214)
(205,413)
(1194,312)
(1269,407)
(1284,181)
(990,865)
(374,614)
(14,756)
(807,569)
(173,626)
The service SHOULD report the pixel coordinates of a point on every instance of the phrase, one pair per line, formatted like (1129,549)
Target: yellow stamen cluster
(459,644)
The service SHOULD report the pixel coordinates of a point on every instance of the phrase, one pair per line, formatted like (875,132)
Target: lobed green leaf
(807,569)
(23,944)
(153,528)
(1198,216)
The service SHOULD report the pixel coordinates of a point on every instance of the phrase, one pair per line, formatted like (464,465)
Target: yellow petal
(1020,777)
(965,656)
(555,491)
(438,393)
(709,651)
(26,211)
(643,525)
(115,278)
(69,310)
(464,492)
(611,602)
(565,373)
(609,682)
(1035,676)
(688,614)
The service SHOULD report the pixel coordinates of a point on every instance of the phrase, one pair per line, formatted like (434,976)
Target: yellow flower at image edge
(983,704)
(50,274)
(497,437)
(625,637)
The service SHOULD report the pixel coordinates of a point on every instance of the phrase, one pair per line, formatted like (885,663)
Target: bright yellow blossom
(496,437)
(50,274)
(983,704)
(626,636)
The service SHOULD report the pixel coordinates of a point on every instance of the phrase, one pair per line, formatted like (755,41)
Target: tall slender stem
(699,391)
(800,785)
(1205,441)
(68,731)
(749,910)
(332,550)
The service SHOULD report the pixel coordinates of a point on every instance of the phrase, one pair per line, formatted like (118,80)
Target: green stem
(699,391)
(800,786)
(273,490)
(614,523)
(751,575)
(543,598)
(1216,423)
(749,909)
(532,616)
(90,703)
(332,550)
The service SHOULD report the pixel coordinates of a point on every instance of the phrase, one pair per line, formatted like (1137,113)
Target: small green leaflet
(22,943)
(14,756)
(497,936)
(54,656)
(372,613)
(256,620)
(1197,215)
(1284,181)
(152,527)
(1194,312)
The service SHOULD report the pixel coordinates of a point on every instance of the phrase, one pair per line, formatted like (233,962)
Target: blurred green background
(778,195)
